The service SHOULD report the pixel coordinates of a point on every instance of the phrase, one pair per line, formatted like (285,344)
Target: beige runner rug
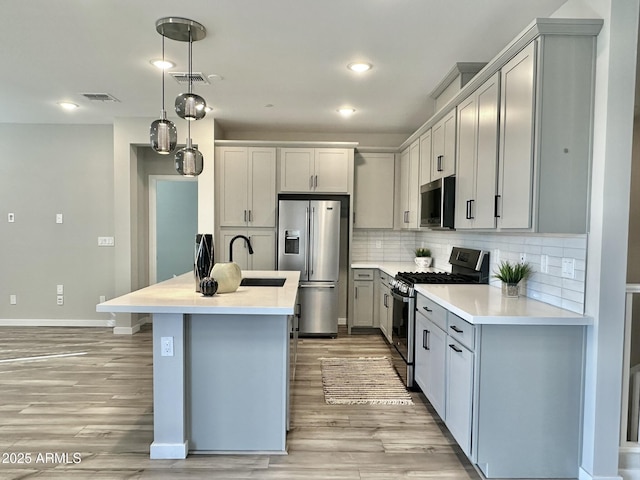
(362,381)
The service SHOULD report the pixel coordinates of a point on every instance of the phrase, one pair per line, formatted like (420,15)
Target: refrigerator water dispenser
(292,242)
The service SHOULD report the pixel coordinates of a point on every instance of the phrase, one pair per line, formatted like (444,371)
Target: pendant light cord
(163,69)
(190,48)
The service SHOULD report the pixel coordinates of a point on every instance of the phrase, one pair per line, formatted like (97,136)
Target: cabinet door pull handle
(440,157)
(456,329)
(356,292)
(245,215)
(454,348)
(468,212)
(471,217)
(310,182)
(315,181)
(495,206)
(250,216)
(427,309)
(386,300)
(354,217)
(425,339)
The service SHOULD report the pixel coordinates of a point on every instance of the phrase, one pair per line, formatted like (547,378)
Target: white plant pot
(422,262)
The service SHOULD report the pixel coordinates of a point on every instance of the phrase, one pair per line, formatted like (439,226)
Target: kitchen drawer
(462,331)
(363,274)
(432,311)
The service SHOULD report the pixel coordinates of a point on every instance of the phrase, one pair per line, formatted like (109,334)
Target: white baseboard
(583,475)
(59,322)
(132,329)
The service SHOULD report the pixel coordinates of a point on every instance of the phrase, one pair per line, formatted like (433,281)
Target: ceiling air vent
(183,78)
(100,97)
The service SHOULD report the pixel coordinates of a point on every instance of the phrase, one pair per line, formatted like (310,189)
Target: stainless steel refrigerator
(309,241)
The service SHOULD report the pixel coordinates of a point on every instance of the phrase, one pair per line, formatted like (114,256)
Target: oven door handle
(400,297)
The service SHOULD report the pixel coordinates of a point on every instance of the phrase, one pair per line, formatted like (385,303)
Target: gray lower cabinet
(430,361)
(513,393)
(363,298)
(385,305)
(459,393)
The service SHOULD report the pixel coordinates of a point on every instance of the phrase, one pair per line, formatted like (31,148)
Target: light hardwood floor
(98,405)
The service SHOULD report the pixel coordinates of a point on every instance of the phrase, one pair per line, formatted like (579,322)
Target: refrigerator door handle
(317,286)
(312,240)
(306,257)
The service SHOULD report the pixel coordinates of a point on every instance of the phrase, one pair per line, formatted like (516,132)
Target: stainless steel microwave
(437,203)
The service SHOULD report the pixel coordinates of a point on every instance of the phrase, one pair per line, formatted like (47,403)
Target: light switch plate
(13,299)
(60,300)
(58,218)
(544,263)
(11,217)
(60,289)
(106,241)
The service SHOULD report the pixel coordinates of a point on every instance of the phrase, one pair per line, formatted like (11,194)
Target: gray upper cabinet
(246,182)
(373,190)
(425,157)
(443,146)
(545,135)
(314,170)
(409,186)
(477,157)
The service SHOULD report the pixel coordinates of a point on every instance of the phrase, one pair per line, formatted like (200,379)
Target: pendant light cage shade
(190,106)
(163,136)
(189,161)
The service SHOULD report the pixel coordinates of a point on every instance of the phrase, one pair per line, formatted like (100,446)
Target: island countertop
(484,304)
(178,295)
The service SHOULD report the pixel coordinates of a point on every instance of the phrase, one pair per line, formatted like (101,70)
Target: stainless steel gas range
(467,266)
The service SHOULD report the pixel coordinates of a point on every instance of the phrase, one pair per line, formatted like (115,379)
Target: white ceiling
(288,53)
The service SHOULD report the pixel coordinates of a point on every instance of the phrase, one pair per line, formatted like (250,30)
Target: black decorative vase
(203,259)
(208,286)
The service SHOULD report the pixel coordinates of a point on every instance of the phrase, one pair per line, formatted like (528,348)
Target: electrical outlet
(58,218)
(378,244)
(544,263)
(496,255)
(11,217)
(60,300)
(166,347)
(13,299)
(60,289)
(523,257)
(103,298)
(568,267)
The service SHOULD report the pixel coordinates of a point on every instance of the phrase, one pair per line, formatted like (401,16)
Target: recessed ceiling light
(346,111)
(68,105)
(162,64)
(359,67)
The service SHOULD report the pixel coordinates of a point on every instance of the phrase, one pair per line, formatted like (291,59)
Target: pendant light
(163,134)
(188,160)
(189,105)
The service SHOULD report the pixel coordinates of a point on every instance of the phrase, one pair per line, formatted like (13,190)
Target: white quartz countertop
(392,268)
(178,295)
(484,304)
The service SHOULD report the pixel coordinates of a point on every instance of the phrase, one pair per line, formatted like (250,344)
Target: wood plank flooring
(89,416)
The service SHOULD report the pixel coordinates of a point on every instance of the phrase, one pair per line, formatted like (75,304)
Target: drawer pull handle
(454,348)
(427,309)
(456,329)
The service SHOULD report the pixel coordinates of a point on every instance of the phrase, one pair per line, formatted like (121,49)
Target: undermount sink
(262,282)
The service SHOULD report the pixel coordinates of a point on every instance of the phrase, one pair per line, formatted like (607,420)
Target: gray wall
(45,170)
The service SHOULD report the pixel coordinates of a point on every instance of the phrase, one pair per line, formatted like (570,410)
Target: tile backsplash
(549,286)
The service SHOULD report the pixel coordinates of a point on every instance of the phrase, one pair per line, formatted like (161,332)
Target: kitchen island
(221,364)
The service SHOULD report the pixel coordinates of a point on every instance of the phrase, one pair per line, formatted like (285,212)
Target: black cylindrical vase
(203,260)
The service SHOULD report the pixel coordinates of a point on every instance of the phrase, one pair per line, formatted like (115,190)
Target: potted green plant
(423,257)
(511,274)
